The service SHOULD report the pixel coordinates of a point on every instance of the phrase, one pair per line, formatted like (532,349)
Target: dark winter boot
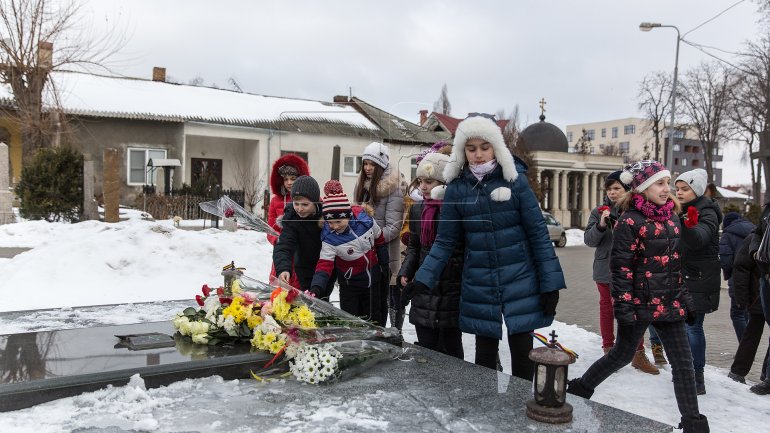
(695,425)
(575,387)
(700,383)
(396,317)
(762,388)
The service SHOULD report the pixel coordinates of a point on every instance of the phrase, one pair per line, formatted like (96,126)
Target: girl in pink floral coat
(647,288)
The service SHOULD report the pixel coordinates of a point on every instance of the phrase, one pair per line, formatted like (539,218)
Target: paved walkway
(579,305)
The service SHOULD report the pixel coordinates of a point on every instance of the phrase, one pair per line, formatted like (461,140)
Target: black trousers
(520,345)
(364,302)
(747,348)
(444,340)
(675,342)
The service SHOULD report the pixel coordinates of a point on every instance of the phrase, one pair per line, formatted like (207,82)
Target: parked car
(555,230)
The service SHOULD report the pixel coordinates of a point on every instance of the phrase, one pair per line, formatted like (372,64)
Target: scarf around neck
(481,170)
(428,221)
(651,210)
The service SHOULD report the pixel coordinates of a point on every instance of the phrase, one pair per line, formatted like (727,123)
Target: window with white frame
(604,132)
(684,162)
(137,165)
(413,166)
(351,165)
(614,132)
(629,129)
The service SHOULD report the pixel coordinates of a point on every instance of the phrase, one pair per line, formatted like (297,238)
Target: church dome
(544,136)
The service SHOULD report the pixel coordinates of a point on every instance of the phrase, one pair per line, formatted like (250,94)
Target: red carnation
(293,293)
(199,300)
(603,208)
(229,212)
(206,290)
(220,291)
(692,217)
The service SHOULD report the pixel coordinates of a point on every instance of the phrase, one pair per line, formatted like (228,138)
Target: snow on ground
(94,263)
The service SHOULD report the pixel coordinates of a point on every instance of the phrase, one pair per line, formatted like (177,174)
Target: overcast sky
(584,57)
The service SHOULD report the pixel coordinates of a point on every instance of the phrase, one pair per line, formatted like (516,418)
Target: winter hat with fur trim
(378,153)
(485,128)
(641,174)
(335,204)
(697,179)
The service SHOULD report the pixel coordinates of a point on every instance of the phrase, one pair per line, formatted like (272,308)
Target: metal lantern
(550,384)
(230,272)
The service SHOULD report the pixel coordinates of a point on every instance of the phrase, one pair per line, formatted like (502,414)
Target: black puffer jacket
(645,265)
(300,244)
(700,254)
(439,308)
(746,276)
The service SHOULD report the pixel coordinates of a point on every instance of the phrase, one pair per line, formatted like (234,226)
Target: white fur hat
(378,153)
(432,166)
(486,129)
(697,179)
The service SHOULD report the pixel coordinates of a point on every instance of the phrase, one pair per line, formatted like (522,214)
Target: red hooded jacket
(279,200)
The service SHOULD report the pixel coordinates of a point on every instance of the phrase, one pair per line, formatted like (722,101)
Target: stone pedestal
(6,197)
(229,224)
(111,185)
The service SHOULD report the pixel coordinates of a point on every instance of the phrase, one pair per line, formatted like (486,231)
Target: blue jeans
(654,339)
(739,317)
(697,343)
(764,296)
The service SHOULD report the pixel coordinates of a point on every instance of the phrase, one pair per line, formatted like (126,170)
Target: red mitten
(692,217)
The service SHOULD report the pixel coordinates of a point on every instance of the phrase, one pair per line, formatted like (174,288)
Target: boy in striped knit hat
(351,242)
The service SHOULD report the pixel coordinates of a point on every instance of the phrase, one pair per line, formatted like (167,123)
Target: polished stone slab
(43,366)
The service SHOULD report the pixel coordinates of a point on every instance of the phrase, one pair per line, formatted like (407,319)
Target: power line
(713,18)
(698,47)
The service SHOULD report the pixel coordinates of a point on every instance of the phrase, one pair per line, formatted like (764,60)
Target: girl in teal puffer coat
(510,273)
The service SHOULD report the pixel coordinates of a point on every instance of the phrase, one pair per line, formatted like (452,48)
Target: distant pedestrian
(746,277)
(735,228)
(762,388)
(435,314)
(598,234)
(700,259)
(647,288)
(510,272)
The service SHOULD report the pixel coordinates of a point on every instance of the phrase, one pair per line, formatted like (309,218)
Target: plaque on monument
(44,366)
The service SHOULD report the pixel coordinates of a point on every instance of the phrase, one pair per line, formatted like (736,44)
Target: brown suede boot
(658,355)
(643,364)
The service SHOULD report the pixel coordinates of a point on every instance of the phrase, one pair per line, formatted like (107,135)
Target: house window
(629,129)
(302,155)
(205,173)
(601,146)
(678,134)
(352,165)
(614,132)
(590,134)
(696,162)
(695,149)
(413,166)
(684,162)
(624,147)
(137,165)
(677,147)
(569,136)
(676,161)
(688,149)
(604,132)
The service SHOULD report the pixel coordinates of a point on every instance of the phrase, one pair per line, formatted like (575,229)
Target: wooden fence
(183,205)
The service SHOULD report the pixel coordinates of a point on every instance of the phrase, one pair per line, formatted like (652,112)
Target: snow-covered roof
(94,95)
(726,193)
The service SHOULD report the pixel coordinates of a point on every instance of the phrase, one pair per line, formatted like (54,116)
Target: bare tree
(654,101)
(39,37)
(746,123)
(705,93)
(442,104)
(247,179)
(518,147)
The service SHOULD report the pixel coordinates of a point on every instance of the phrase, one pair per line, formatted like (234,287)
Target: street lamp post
(646,27)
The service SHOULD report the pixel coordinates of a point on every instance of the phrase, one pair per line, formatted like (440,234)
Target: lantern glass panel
(541,378)
(559,383)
